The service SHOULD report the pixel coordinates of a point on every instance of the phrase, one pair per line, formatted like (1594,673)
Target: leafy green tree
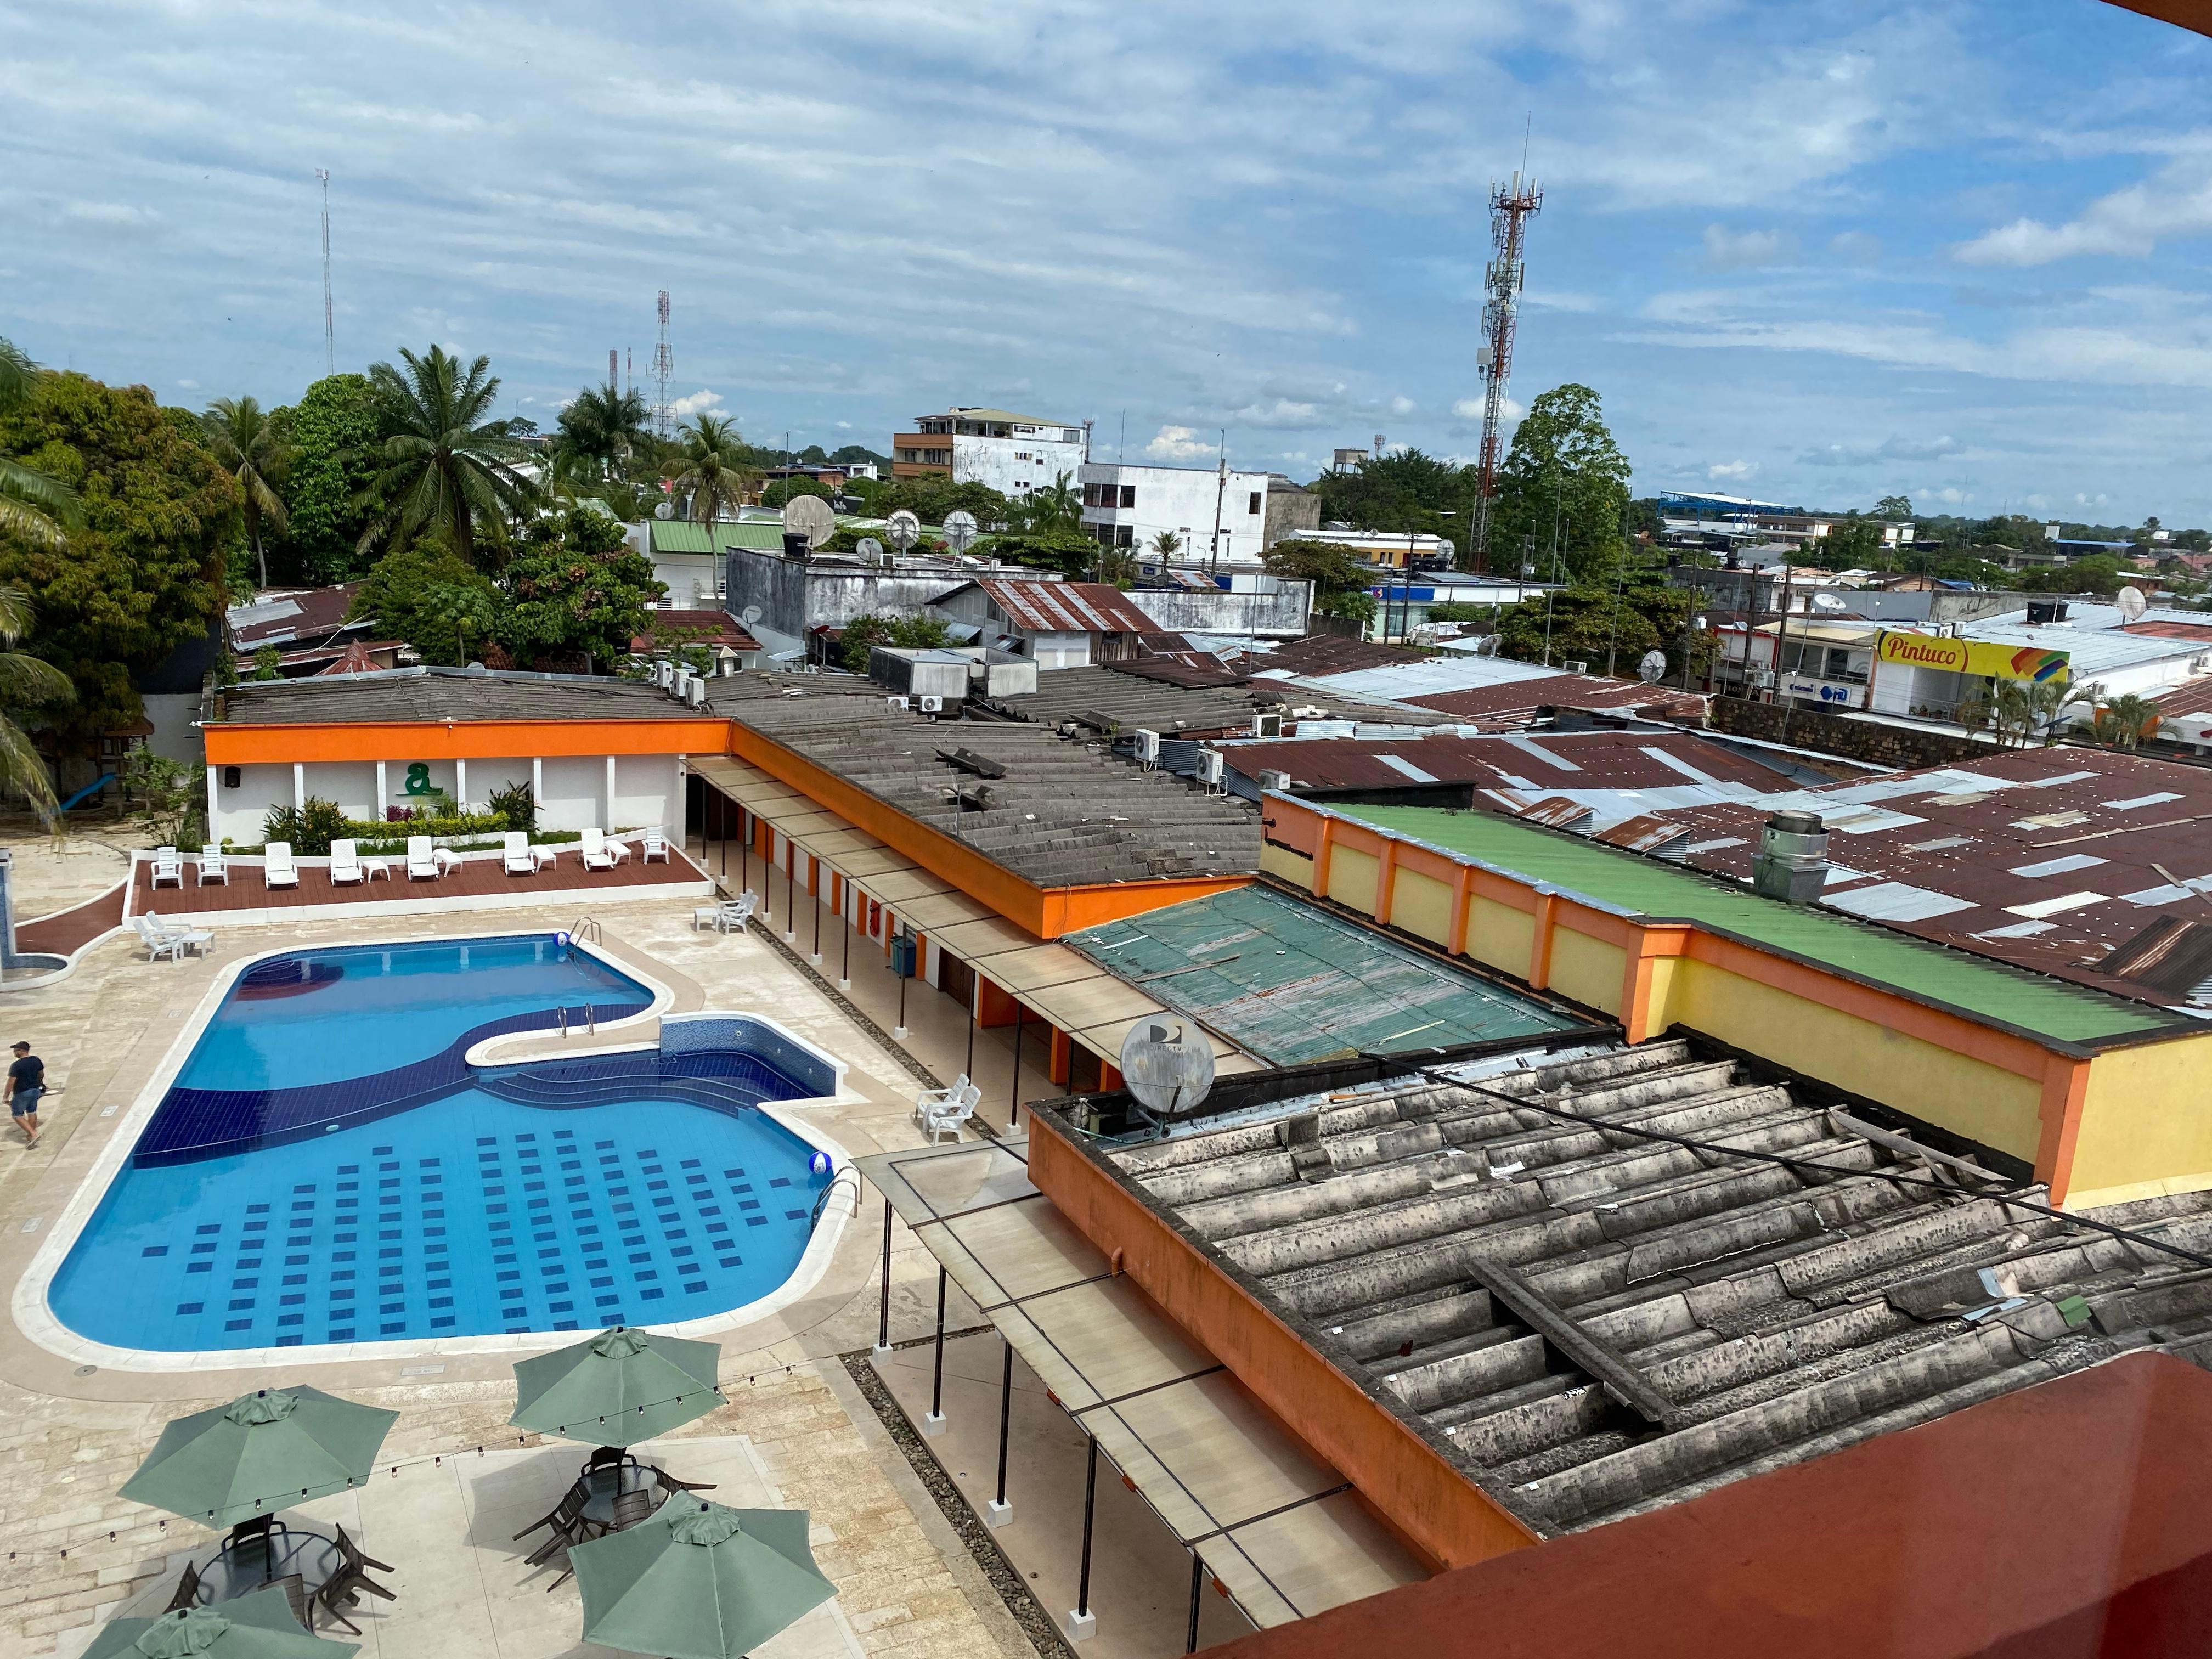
(717,468)
(1892,509)
(605,427)
(864,634)
(446,461)
(2122,722)
(780,491)
(31,505)
(1055,505)
(1591,622)
(413,593)
(576,588)
(267,663)
(1405,490)
(256,449)
(1068,551)
(1563,490)
(1340,579)
(26,684)
(329,499)
(143,570)
(930,498)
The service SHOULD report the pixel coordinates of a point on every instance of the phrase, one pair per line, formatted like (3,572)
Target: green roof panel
(679,535)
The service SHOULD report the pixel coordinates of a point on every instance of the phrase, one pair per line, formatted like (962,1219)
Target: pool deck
(796,1430)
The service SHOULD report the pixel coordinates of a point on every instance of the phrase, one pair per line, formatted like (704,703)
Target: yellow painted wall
(1501,936)
(1587,969)
(1352,879)
(1968,1097)
(1290,866)
(2146,1124)
(1663,971)
(1421,905)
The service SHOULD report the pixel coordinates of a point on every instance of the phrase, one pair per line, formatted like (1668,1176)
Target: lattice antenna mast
(1511,207)
(664,373)
(329,332)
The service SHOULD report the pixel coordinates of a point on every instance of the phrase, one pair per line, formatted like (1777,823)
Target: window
(1128,495)
(1254,506)
(1125,535)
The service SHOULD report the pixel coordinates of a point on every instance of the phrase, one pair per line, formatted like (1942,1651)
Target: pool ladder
(591,1021)
(586,928)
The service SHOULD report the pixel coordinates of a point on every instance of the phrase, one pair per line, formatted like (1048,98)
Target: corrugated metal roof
(1405,681)
(1286,981)
(682,536)
(301,615)
(1054,607)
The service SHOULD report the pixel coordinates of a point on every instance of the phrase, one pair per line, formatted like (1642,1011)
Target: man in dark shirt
(26,1082)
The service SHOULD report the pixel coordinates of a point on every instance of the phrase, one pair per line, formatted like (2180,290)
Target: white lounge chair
(521,859)
(656,847)
(214,865)
(728,915)
(170,939)
(600,852)
(941,1112)
(345,864)
(277,869)
(426,861)
(167,866)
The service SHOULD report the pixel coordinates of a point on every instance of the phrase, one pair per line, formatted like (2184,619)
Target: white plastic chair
(600,852)
(345,864)
(167,866)
(170,939)
(214,865)
(656,847)
(277,869)
(727,915)
(425,860)
(520,858)
(942,1111)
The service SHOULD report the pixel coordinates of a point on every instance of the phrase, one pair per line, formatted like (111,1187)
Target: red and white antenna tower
(663,372)
(1511,206)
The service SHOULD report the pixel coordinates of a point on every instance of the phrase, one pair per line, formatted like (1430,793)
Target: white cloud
(701,402)
(1855,247)
(1748,250)
(188,385)
(1401,405)
(1177,443)
(1283,413)
(121,215)
(1890,449)
(1470,409)
(2128,223)
(1731,471)
(844,426)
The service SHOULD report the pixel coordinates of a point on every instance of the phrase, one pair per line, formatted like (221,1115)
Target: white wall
(238,813)
(686,575)
(174,717)
(1174,498)
(1016,466)
(575,792)
(648,791)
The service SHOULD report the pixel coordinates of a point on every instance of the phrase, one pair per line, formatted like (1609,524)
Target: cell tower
(664,371)
(614,369)
(329,334)
(1511,206)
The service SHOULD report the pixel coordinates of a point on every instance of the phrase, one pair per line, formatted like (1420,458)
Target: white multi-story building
(1129,506)
(1011,453)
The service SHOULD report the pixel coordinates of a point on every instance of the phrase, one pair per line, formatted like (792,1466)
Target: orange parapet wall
(1409,1483)
(234,743)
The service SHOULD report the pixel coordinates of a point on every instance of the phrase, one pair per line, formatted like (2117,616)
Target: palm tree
(256,451)
(25,679)
(1055,505)
(1167,544)
(448,462)
(31,505)
(716,472)
(2125,722)
(603,425)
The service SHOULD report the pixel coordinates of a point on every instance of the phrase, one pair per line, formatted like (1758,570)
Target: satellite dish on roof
(2131,603)
(1167,1063)
(902,530)
(1653,666)
(811,517)
(664,509)
(959,528)
(1487,645)
(751,615)
(870,549)
(1828,602)
(1444,549)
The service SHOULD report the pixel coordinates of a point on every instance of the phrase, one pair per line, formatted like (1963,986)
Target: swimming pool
(326,1167)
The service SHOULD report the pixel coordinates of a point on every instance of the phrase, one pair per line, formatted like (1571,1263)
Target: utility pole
(1511,206)
(330,335)
(1220,489)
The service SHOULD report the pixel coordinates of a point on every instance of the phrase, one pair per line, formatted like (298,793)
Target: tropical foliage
(33,505)
(256,449)
(864,634)
(1562,491)
(329,495)
(26,683)
(603,428)
(446,462)
(428,595)
(717,468)
(1340,579)
(576,591)
(1608,627)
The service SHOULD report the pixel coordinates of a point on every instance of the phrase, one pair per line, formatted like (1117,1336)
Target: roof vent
(1792,861)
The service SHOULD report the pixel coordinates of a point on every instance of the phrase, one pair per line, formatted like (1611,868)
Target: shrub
(309,829)
(517,805)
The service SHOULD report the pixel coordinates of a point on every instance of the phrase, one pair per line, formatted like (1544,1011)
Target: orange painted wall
(1435,1507)
(230,744)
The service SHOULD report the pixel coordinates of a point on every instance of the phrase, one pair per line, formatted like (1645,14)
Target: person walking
(26,1082)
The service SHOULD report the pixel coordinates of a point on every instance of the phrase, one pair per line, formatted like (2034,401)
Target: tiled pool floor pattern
(651,1212)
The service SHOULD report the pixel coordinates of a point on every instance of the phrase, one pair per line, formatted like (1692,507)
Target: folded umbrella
(256,1626)
(618,1388)
(260,1453)
(699,1580)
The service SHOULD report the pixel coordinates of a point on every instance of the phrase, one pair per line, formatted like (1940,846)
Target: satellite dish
(871,550)
(959,528)
(1828,602)
(1167,1063)
(752,614)
(2131,603)
(902,530)
(810,516)
(1487,646)
(664,509)
(1444,549)
(1653,666)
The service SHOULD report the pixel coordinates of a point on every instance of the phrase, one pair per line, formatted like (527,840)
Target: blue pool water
(638,1189)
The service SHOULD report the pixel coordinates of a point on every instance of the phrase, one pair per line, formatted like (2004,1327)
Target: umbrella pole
(884,1313)
(1082,1624)
(934,1422)
(998,1512)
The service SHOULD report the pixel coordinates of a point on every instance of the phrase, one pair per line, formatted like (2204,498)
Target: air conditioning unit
(1270,778)
(1266,725)
(663,671)
(1148,748)
(1210,768)
(1575,668)
(900,704)
(697,698)
(933,705)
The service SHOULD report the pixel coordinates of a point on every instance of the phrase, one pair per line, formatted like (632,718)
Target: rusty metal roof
(1514,703)
(1058,607)
(1533,763)
(1330,653)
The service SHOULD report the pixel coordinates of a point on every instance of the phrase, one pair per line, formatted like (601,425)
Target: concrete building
(1217,516)
(1057,625)
(1012,453)
(797,598)
(1255,606)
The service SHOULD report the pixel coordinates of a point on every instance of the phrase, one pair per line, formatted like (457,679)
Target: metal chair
(297,1598)
(567,1524)
(670,1486)
(345,1587)
(187,1593)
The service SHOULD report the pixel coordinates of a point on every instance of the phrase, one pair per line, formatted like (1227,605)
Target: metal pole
(744,852)
(902,1018)
(1197,1582)
(975,996)
(1005,1412)
(817,913)
(1014,1104)
(845,973)
(883,1312)
(937,1363)
(1090,1496)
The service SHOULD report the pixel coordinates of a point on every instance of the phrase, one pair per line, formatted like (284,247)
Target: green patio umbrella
(256,1626)
(618,1388)
(698,1581)
(260,1453)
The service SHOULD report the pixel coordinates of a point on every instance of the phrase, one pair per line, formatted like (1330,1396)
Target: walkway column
(847,900)
(933,1425)
(1014,1104)
(382,796)
(610,794)
(998,1511)
(817,912)
(974,992)
(461,784)
(884,1314)
(1197,1582)
(1083,1624)
(299,785)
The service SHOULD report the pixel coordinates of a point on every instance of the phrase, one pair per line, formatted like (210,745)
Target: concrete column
(299,786)
(1322,855)
(609,820)
(214,783)
(461,784)
(383,789)
(1462,895)
(1386,882)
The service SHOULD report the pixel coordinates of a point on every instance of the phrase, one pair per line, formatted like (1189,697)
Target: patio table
(242,1566)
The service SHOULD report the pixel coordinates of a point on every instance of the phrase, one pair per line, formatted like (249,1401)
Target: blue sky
(1810,252)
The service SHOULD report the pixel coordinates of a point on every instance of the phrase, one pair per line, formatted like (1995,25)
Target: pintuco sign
(1976,657)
